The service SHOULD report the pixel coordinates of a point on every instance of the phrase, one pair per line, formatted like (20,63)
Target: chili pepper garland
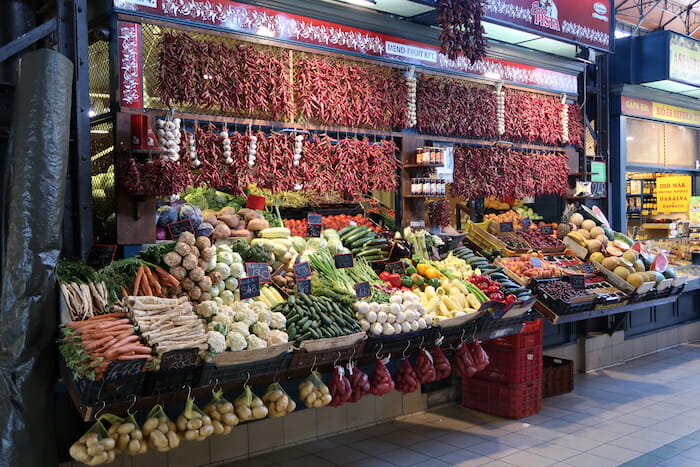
(532,118)
(575,125)
(462,32)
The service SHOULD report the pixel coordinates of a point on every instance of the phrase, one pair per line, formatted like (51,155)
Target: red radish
(406,379)
(339,387)
(424,367)
(443,368)
(381,382)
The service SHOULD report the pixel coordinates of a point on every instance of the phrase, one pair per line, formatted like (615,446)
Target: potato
(259,412)
(230,419)
(194,424)
(111,455)
(173,440)
(78,451)
(206,420)
(226,407)
(311,398)
(137,434)
(218,427)
(123,442)
(107,443)
(227,429)
(134,446)
(191,435)
(215,415)
(95,450)
(206,431)
(244,413)
(181,423)
(126,428)
(326,399)
(158,439)
(318,403)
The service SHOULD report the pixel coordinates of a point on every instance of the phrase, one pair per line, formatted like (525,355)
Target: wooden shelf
(413,166)
(578,174)
(586,197)
(425,196)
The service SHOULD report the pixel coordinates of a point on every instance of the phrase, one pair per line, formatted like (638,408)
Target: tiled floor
(646,412)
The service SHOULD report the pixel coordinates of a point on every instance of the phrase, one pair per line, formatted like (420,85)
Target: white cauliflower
(277,337)
(260,329)
(264,315)
(216,341)
(218,327)
(240,328)
(255,342)
(225,319)
(277,320)
(235,341)
(207,309)
(247,316)
(259,306)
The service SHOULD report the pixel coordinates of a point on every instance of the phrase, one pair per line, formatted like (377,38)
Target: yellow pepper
(432,273)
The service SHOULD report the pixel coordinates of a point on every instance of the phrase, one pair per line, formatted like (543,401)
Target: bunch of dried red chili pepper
(159,177)
(576,130)
(454,107)
(462,31)
(532,118)
(345,93)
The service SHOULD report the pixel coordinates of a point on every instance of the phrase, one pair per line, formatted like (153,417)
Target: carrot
(155,285)
(135,357)
(139,278)
(99,333)
(145,286)
(168,278)
(125,293)
(142,349)
(91,345)
(125,341)
(116,314)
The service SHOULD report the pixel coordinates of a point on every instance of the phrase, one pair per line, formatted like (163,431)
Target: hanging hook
(99,411)
(313,365)
(189,389)
(133,403)
(213,388)
(461,338)
(422,341)
(381,346)
(247,379)
(335,362)
(474,334)
(354,351)
(408,344)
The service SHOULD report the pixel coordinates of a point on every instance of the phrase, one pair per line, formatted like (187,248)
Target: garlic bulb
(226,144)
(168,132)
(252,150)
(411,83)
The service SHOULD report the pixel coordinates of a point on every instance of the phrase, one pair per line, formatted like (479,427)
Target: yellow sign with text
(673,193)
(671,113)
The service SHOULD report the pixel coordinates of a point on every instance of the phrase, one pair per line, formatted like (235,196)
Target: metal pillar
(17,18)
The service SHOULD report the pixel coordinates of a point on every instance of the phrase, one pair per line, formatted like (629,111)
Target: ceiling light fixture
(492,75)
(361,2)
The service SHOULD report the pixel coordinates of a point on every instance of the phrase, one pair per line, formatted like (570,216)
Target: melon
(658,277)
(594,246)
(602,239)
(598,257)
(626,263)
(597,231)
(630,255)
(638,266)
(610,233)
(619,244)
(577,219)
(613,251)
(622,272)
(584,233)
(635,279)
(611,263)
(670,273)
(588,224)
(562,230)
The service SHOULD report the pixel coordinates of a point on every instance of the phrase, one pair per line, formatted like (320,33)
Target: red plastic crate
(512,366)
(530,336)
(507,400)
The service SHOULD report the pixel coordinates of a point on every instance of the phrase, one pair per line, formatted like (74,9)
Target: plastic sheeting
(33,185)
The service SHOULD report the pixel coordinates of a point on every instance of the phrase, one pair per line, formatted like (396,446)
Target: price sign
(100,256)
(124,368)
(343,261)
(179,359)
(258,269)
(302,270)
(314,219)
(363,290)
(577,281)
(506,227)
(304,287)
(177,228)
(526,222)
(396,267)
(546,229)
(313,230)
(249,287)
(536,262)
(589,268)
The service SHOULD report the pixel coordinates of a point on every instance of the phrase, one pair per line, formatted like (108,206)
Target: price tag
(302,270)
(526,222)
(343,261)
(396,267)
(177,228)
(363,290)
(536,262)
(577,281)
(589,268)
(313,230)
(304,287)
(258,269)
(249,287)
(124,368)
(546,229)
(179,359)
(314,219)
(100,256)
(506,227)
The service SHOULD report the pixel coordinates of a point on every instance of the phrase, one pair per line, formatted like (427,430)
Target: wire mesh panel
(98,74)
(103,189)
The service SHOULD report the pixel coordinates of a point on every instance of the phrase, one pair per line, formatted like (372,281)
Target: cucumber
(305,325)
(370,252)
(292,300)
(291,332)
(358,242)
(305,336)
(355,235)
(347,229)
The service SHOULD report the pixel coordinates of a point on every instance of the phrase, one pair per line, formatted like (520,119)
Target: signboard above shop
(249,19)
(583,22)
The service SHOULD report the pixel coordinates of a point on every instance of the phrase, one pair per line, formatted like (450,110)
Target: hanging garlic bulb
(298,146)
(169,137)
(564,120)
(192,149)
(252,150)
(412,84)
(226,143)
(500,109)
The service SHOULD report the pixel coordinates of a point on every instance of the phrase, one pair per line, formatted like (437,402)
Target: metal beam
(26,40)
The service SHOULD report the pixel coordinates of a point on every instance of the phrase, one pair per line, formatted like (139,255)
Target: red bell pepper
(394,280)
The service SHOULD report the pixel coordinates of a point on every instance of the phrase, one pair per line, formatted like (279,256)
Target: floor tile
(666,452)
(528,459)
(402,457)
(588,460)
(646,460)
(554,451)
(615,453)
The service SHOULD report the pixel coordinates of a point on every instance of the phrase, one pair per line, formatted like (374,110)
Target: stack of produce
(363,242)
(335,283)
(188,263)
(242,326)
(508,287)
(337,222)
(522,266)
(403,314)
(94,447)
(311,317)
(508,216)
(473,260)
(526,211)
(89,346)
(84,294)
(168,324)
(561,290)
(539,241)
(231,223)
(513,240)
(451,299)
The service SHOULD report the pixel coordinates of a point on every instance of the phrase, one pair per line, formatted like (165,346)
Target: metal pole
(16,19)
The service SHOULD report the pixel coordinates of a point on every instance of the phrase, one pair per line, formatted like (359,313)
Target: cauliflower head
(264,315)
(277,320)
(255,342)
(277,337)
(207,309)
(241,328)
(216,341)
(246,316)
(260,329)
(235,341)
(218,327)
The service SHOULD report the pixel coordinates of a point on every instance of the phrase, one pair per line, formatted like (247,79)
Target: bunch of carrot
(156,283)
(89,346)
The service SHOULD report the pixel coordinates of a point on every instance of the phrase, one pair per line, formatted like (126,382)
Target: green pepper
(406,281)
(435,283)
(417,279)
(410,271)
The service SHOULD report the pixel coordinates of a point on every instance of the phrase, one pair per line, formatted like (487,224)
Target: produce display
(248,406)
(338,222)
(339,387)
(533,118)
(193,424)
(127,435)
(313,392)
(424,367)
(461,31)
(94,447)
(469,359)
(561,290)
(513,240)
(406,380)
(508,216)
(359,382)
(539,241)
(364,243)
(222,414)
(404,313)
(278,402)
(381,381)
(160,431)
(311,317)
(524,268)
